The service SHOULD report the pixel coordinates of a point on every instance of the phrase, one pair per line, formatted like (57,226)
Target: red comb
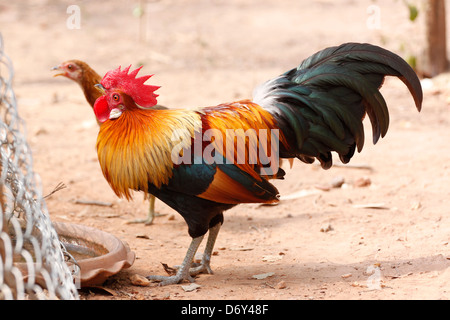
(126,82)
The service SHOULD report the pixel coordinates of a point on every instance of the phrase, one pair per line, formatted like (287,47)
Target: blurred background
(206,52)
(173,38)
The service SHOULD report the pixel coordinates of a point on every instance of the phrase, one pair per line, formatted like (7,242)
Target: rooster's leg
(151,213)
(206,259)
(183,270)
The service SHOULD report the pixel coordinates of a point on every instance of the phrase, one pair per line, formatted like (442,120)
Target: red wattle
(101,109)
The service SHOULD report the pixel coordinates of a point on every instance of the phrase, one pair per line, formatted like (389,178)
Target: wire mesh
(32,259)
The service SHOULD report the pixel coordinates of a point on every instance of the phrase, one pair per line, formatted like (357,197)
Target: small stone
(362,182)
(337,182)
(327,228)
(138,280)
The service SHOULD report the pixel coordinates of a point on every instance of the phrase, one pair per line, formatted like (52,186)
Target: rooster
(178,155)
(80,72)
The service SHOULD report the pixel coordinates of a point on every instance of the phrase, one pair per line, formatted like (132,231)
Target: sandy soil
(385,240)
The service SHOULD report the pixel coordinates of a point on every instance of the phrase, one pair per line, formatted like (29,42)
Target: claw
(183,270)
(188,269)
(202,268)
(166,280)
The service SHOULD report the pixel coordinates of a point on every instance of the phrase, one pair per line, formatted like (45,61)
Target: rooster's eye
(115,97)
(70,67)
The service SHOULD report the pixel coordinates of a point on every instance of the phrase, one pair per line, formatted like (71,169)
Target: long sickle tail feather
(320,104)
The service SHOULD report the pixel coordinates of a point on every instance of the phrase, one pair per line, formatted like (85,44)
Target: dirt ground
(384,234)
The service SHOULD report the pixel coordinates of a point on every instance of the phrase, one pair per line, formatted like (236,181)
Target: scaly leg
(206,259)
(151,213)
(183,270)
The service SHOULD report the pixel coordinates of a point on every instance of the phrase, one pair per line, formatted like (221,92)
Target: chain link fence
(32,259)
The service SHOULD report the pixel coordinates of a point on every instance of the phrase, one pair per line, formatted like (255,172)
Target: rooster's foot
(188,269)
(203,267)
(195,269)
(166,280)
(151,214)
(183,271)
(147,221)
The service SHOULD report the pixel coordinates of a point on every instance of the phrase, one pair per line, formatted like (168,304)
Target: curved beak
(100,88)
(57,68)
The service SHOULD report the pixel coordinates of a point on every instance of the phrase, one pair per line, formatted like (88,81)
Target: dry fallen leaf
(263,275)
(281,285)
(103,290)
(362,182)
(272,258)
(170,271)
(191,287)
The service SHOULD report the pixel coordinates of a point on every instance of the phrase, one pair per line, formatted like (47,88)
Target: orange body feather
(137,148)
(241,121)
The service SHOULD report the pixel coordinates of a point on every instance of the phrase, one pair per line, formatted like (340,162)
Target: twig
(58,187)
(371,206)
(354,166)
(94,203)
